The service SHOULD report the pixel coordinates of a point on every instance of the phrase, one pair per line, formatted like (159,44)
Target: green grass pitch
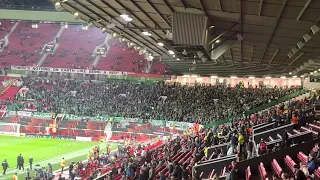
(43,151)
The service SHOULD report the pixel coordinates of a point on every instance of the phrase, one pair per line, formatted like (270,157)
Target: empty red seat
(276,167)
(262,171)
(248,173)
(302,157)
(290,163)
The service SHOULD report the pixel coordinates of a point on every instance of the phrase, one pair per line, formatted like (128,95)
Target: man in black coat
(20,162)
(5,166)
(30,162)
(177,172)
(285,138)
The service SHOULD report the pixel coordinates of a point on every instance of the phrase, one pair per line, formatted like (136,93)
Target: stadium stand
(4,28)
(121,58)
(26,43)
(159,68)
(126,98)
(76,48)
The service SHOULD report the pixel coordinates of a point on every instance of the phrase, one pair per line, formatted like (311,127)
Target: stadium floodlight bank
(9,129)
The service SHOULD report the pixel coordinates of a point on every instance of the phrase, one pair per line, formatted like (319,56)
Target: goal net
(10,129)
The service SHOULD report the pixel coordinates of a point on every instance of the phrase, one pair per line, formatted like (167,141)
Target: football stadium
(160,89)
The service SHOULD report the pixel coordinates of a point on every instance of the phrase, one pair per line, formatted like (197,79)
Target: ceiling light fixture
(290,73)
(170,52)
(126,17)
(283,77)
(251,77)
(294,76)
(233,77)
(57,3)
(214,76)
(217,41)
(160,44)
(268,77)
(76,14)
(146,33)
(178,59)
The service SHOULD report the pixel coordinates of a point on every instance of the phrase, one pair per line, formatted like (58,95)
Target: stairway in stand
(9,93)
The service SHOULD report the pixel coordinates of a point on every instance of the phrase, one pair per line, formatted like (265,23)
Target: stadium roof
(256,37)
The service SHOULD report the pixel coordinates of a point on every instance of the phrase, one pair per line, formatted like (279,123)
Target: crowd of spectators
(199,103)
(143,162)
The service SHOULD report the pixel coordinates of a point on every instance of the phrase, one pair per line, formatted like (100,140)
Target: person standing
(30,162)
(5,166)
(71,169)
(50,167)
(249,147)
(63,164)
(27,176)
(20,162)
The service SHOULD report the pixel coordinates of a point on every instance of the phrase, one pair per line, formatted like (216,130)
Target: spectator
(232,175)
(31,162)
(250,148)
(177,172)
(299,175)
(262,147)
(312,163)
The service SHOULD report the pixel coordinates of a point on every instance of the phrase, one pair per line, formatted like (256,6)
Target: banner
(32,135)
(78,138)
(96,118)
(68,70)
(42,115)
(178,125)
(161,123)
(24,113)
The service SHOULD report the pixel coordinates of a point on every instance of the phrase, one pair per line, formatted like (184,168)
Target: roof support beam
(240,22)
(303,9)
(274,55)
(143,11)
(224,60)
(168,5)
(203,8)
(273,30)
(183,4)
(260,8)
(85,7)
(146,28)
(220,6)
(158,12)
(141,21)
(252,52)
(220,35)
(231,56)
(294,60)
(124,25)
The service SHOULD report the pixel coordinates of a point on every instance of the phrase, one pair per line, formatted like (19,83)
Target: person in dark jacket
(177,172)
(20,162)
(162,176)
(152,172)
(30,162)
(185,173)
(232,175)
(285,138)
(5,166)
